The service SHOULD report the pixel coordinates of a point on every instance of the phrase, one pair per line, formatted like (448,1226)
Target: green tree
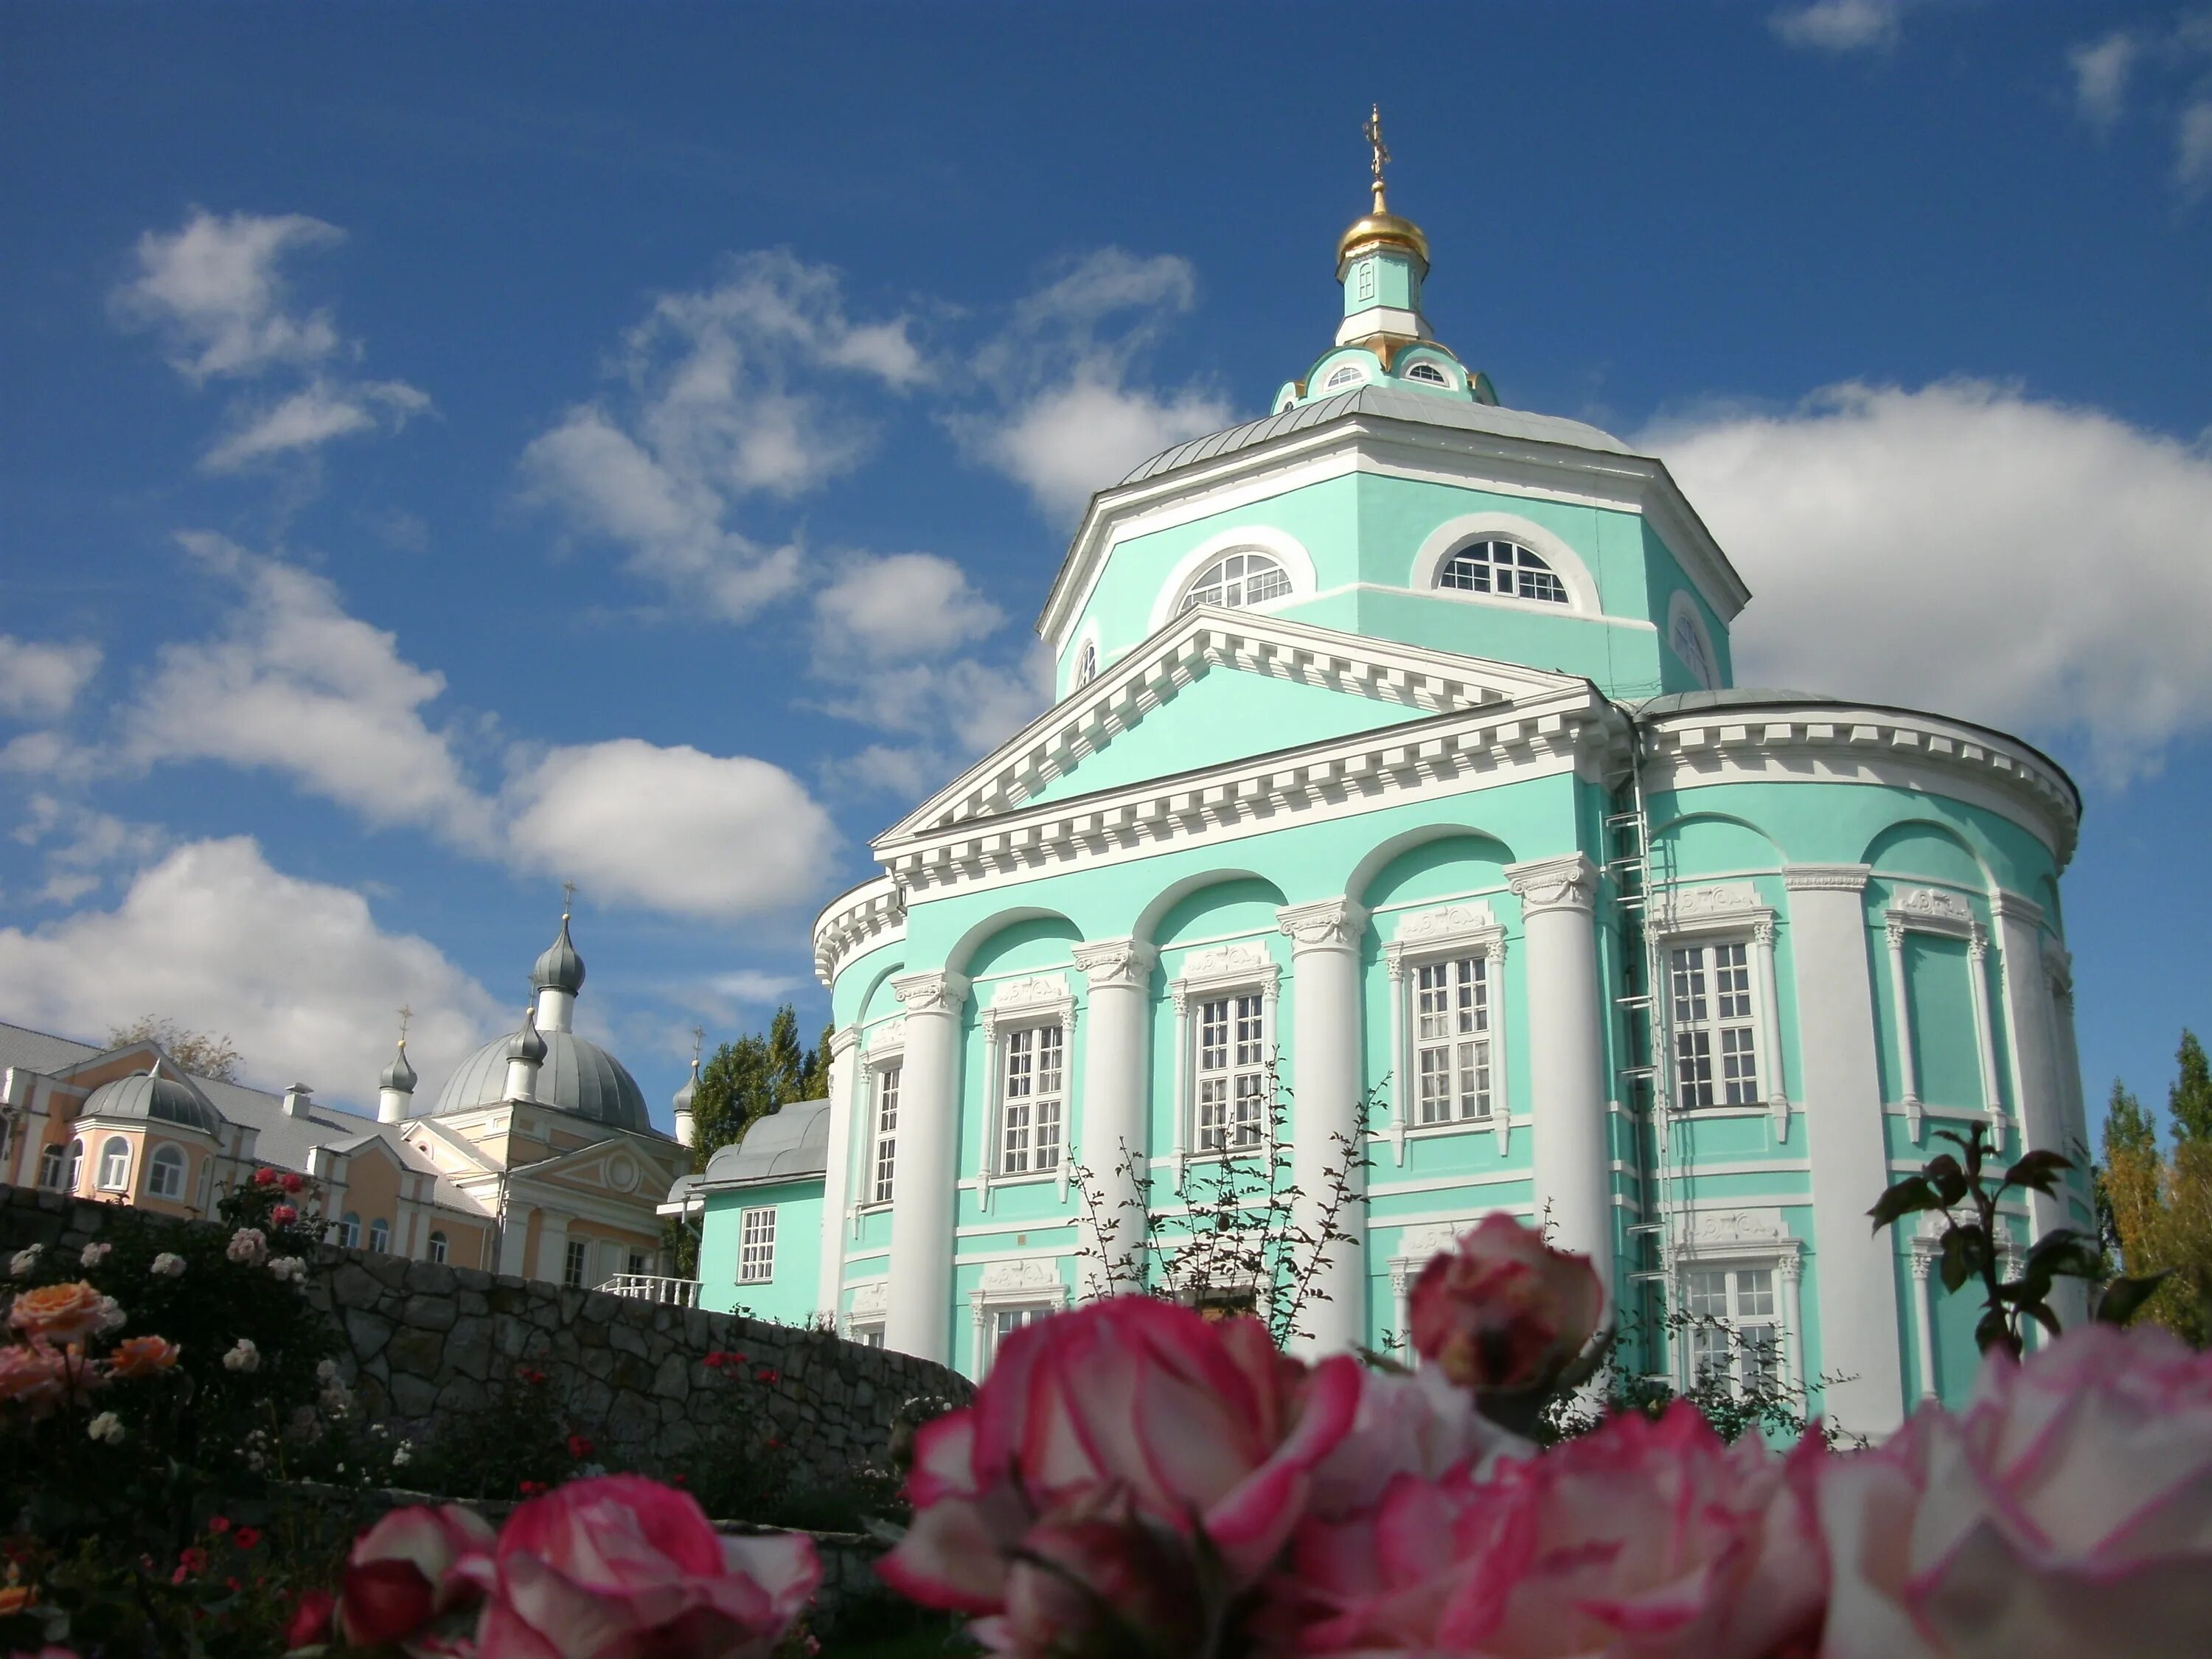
(2160,1206)
(2189,1103)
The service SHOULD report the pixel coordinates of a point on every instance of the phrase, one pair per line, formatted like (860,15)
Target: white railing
(653,1287)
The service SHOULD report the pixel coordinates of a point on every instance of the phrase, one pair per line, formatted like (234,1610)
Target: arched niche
(1037,940)
(876,998)
(1208,906)
(1919,847)
(1431,863)
(1708,844)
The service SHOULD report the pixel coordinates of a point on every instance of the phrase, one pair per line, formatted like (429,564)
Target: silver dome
(399,1074)
(147,1097)
(560,969)
(577,1076)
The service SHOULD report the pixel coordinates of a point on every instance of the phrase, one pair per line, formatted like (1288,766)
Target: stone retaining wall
(418,1339)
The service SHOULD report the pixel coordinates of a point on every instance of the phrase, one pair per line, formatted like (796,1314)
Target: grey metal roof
(1683,702)
(559,969)
(40,1051)
(1389,403)
(147,1098)
(577,1076)
(783,1146)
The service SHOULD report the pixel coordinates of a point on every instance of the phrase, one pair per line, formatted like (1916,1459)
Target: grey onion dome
(529,1043)
(149,1097)
(690,1091)
(560,969)
(399,1074)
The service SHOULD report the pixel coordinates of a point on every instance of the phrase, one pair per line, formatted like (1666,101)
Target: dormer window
(1086,665)
(1344,374)
(1502,568)
(1236,580)
(1428,372)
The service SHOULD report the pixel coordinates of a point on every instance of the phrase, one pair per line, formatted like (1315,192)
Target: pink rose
(622,1567)
(1503,1311)
(1104,1436)
(410,1568)
(33,1375)
(283,1215)
(1420,1424)
(2067,1510)
(64,1313)
(1642,1541)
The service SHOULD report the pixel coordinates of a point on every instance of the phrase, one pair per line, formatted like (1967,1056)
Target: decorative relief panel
(1737,1227)
(892,1034)
(1732,899)
(873,1300)
(1450,921)
(1042,990)
(1228,962)
(1933,904)
(1030,1273)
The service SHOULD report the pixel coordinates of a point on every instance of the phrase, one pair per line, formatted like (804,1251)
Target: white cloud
(1840,24)
(2193,147)
(2100,76)
(81,843)
(1074,418)
(297,685)
(899,605)
(1879,526)
(741,390)
(315,416)
(297,973)
(687,833)
(39,679)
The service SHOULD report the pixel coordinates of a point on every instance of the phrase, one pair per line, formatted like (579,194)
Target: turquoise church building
(1399,789)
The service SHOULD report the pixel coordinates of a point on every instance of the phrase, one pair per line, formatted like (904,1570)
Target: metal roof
(1388,403)
(559,967)
(782,1145)
(147,1098)
(577,1076)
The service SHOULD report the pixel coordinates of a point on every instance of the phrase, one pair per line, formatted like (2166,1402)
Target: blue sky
(451,448)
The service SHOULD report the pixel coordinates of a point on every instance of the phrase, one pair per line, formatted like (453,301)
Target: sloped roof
(788,1145)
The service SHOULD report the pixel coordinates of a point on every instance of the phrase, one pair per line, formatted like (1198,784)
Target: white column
(1327,1145)
(1116,1142)
(553,1249)
(1986,1039)
(1792,1266)
(1566,1059)
(1900,991)
(2035,1061)
(844,1044)
(1769,1026)
(1844,1138)
(1923,1319)
(926,1175)
(515,1241)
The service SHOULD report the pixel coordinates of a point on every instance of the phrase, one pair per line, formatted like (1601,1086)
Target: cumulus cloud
(1840,24)
(685,832)
(742,390)
(1879,526)
(2193,147)
(1074,415)
(2100,76)
(39,679)
(897,606)
(296,972)
(2174,66)
(216,293)
(80,844)
(297,684)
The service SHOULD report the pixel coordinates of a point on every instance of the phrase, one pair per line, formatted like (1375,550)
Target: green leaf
(1942,1171)
(1965,1248)
(1910,1194)
(2038,1170)
(1990,1332)
(2042,1316)
(2118,1303)
(2066,1252)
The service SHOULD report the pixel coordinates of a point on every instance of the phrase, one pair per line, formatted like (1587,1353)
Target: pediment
(1214,686)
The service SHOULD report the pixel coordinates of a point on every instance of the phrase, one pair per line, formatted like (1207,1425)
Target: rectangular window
(757,1245)
(1232,1076)
(1451,1040)
(881,1168)
(1736,1340)
(637,1262)
(1004,1322)
(868,1336)
(1030,1107)
(1716,1052)
(572,1268)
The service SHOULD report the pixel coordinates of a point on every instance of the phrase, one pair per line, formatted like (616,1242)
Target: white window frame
(1019,1007)
(1436,376)
(1542,566)
(166,1158)
(1732,1320)
(1031,1284)
(1426,939)
(439,1248)
(348,1229)
(1187,599)
(1946,916)
(869,1309)
(1245,968)
(1341,376)
(868,1332)
(880,1192)
(1729,914)
(1735,1240)
(53,1167)
(76,1168)
(379,1235)
(757,1245)
(115,1164)
(575,1264)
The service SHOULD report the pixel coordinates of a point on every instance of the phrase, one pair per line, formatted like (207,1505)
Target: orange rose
(64,1313)
(14,1598)
(142,1355)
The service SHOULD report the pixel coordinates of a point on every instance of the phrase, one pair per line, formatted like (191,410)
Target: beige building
(539,1158)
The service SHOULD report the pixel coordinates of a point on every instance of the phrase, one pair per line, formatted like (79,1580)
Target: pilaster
(836,1170)
(1113,1141)
(925,1174)
(1327,1144)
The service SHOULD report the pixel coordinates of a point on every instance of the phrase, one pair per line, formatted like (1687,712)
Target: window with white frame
(884,1143)
(1689,646)
(1735,1335)
(638,1263)
(1716,1027)
(1428,372)
(164,1173)
(1503,567)
(1033,1090)
(437,1247)
(1236,580)
(1005,1318)
(869,1336)
(1343,374)
(379,1235)
(1451,1040)
(1231,1073)
(757,1245)
(348,1229)
(51,1164)
(1087,663)
(115,1164)
(575,1262)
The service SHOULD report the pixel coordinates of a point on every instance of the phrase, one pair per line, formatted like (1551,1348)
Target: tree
(2189,1103)
(201,1052)
(2161,1207)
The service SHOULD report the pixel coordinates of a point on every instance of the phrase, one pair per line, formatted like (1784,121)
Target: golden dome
(1384,228)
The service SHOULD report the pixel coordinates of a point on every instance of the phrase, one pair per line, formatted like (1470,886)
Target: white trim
(1726,913)
(1284,549)
(1455,535)
(1030,1003)
(1944,914)
(1224,970)
(1446,933)
(1031,1281)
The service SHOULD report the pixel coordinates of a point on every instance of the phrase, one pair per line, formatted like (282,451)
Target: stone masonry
(418,1339)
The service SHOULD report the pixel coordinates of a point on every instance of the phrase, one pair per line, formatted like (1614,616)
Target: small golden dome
(1382,229)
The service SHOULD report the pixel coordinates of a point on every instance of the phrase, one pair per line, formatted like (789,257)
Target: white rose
(248,1245)
(169,1266)
(25,1260)
(106,1426)
(93,1254)
(243,1358)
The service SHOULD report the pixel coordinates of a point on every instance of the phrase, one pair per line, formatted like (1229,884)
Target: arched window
(1502,567)
(1343,374)
(1428,372)
(76,1166)
(348,1229)
(1688,641)
(1086,665)
(115,1164)
(51,1162)
(437,1247)
(164,1173)
(1236,580)
(379,1235)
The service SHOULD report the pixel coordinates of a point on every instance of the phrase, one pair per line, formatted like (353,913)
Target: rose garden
(197,1459)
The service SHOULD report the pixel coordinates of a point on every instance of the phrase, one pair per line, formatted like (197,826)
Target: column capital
(1561,884)
(1826,877)
(1122,964)
(843,1040)
(2009,905)
(1331,924)
(934,992)
(1923,1260)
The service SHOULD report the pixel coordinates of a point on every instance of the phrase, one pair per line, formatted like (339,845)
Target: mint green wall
(789,1297)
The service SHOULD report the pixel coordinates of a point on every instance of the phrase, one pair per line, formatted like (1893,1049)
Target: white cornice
(873,913)
(1367,442)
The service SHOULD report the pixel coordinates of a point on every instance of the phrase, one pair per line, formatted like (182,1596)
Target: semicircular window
(1086,665)
(1428,372)
(1343,375)
(1502,567)
(1236,580)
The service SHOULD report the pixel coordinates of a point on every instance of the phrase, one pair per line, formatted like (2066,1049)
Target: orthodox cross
(1372,131)
(567,898)
(405,1014)
(698,1041)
